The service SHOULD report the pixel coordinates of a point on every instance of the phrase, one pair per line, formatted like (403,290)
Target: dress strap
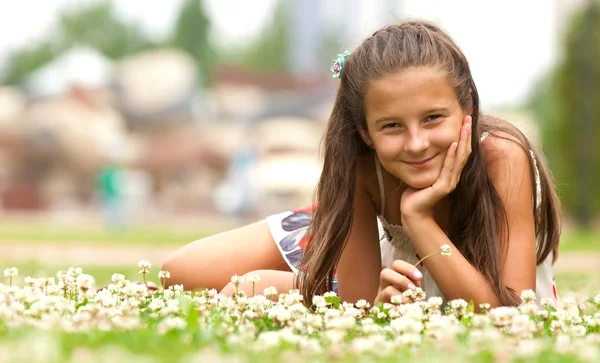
(380,181)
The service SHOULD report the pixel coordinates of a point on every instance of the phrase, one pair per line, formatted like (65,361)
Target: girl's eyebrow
(437,109)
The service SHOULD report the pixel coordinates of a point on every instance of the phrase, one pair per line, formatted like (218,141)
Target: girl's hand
(393,281)
(419,203)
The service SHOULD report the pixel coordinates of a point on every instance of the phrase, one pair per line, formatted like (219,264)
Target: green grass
(138,235)
(567,282)
(571,241)
(101,274)
(577,282)
(580,240)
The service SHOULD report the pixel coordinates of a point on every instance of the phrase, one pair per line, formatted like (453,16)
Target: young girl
(406,146)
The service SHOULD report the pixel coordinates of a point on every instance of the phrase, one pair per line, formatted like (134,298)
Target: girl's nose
(417,142)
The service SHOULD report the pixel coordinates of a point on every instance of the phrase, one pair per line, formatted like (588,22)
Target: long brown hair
(478,217)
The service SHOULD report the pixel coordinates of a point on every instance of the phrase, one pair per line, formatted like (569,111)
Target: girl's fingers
(389,277)
(465,141)
(408,270)
(446,174)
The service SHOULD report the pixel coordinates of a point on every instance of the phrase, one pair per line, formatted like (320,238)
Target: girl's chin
(419,183)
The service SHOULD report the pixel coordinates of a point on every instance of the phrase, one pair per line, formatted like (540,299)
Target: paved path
(87,254)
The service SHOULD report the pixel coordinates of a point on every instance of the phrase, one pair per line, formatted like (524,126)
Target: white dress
(397,245)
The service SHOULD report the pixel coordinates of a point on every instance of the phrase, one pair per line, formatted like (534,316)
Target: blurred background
(158,122)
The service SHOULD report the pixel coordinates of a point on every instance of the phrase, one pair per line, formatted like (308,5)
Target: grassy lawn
(572,241)
(580,240)
(137,235)
(571,282)
(101,274)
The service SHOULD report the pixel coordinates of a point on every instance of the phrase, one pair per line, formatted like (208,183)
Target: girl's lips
(423,163)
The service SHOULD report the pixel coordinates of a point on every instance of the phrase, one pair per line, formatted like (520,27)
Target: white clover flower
(527,296)
(485,306)
(397,299)
(171,323)
(528,348)
(341,322)
(318,300)
(435,302)
(531,309)
(351,311)
(164,274)
(362,345)
(547,302)
(459,306)
(270,291)
(117,277)
(597,299)
(329,294)
(446,250)
(144,266)
(362,304)
(419,294)
(253,279)
(11,272)
(237,280)
(85,281)
(411,294)
(503,315)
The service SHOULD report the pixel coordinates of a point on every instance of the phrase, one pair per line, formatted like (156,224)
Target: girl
(406,146)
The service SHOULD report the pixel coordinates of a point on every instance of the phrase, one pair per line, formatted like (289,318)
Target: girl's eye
(433,117)
(391,126)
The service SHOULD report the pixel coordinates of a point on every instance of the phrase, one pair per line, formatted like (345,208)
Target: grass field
(214,339)
(567,282)
(572,240)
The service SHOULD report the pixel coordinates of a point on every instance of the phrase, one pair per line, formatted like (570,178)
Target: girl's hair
(478,216)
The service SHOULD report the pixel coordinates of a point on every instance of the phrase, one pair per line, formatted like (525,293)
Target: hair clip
(338,64)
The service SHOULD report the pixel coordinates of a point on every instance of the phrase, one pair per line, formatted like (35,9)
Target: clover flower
(144,266)
(397,299)
(446,251)
(528,296)
(11,272)
(288,327)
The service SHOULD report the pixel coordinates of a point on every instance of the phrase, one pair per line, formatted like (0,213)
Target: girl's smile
(422,163)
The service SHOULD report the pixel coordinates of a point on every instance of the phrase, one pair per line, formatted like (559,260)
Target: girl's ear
(364,135)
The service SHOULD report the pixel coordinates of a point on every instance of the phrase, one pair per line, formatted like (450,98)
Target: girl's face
(412,118)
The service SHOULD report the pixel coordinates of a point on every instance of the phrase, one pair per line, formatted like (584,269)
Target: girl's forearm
(455,276)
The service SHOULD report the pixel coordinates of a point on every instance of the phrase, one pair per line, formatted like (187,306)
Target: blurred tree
(192,35)
(28,59)
(270,50)
(566,103)
(94,24)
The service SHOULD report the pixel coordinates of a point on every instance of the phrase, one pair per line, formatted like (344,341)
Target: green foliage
(94,24)
(192,35)
(98,26)
(270,50)
(28,59)
(558,103)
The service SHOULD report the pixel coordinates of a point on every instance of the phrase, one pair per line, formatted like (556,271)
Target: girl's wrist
(413,223)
